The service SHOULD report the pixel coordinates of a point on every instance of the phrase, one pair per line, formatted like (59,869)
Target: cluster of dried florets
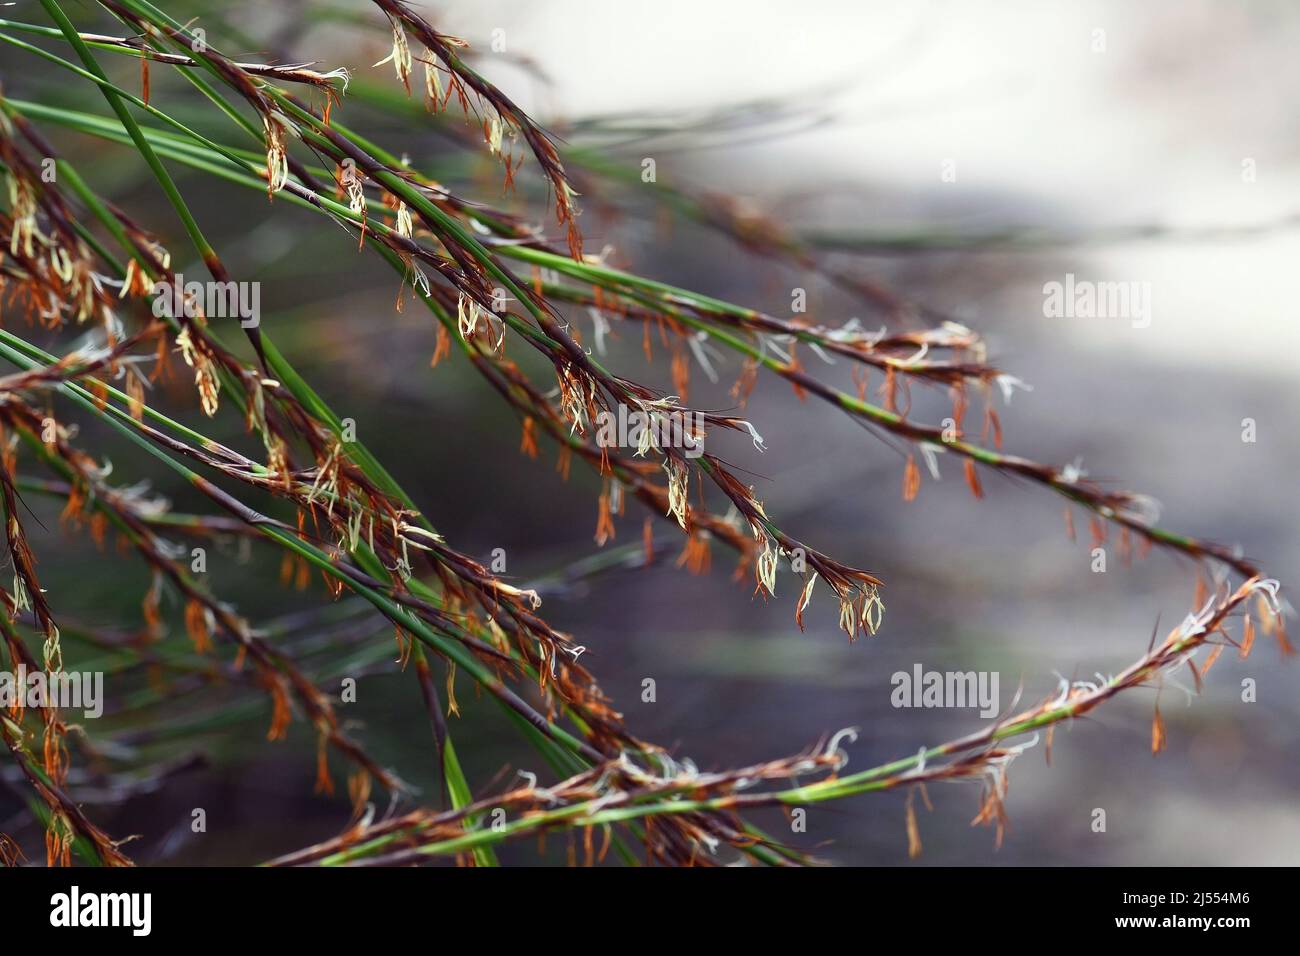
(360,531)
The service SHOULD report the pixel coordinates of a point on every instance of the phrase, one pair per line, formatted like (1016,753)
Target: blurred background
(1107,140)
